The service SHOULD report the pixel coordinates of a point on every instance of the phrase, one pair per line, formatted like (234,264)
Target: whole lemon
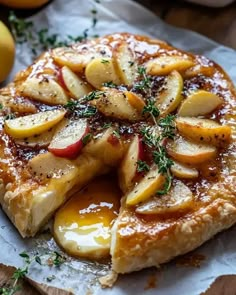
(23,3)
(7,51)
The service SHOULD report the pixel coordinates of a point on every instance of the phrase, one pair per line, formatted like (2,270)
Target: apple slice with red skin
(68,140)
(128,168)
(72,83)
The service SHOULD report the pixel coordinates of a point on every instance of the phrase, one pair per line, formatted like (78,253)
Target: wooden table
(216,23)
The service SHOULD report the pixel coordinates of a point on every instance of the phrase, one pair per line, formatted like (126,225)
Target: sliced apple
(199,70)
(128,167)
(189,152)
(101,70)
(170,98)
(114,103)
(203,130)
(68,139)
(48,166)
(106,147)
(38,140)
(199,103)
(182,171)
(135,100)
(45,90)
(179,199)
(146,188)
(33,124)
(77,87)
(67,56)
(17,105)
(126,64)
(163,65)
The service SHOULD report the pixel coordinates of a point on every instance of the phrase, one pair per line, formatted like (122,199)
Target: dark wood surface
(218,24)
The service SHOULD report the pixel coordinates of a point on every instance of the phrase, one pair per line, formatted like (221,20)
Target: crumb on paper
(190,259)
(109,280)
(152,282)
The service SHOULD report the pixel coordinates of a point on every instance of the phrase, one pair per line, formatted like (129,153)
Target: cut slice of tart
(120,103)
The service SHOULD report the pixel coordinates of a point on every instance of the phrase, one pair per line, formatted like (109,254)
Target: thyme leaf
(142,166)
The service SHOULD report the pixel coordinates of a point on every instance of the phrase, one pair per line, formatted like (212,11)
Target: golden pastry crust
(138,244)
(180,223)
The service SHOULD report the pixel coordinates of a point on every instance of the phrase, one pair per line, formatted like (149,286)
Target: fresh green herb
(20,273)
(107,125)
(145,83)
(149,137)
(50,278)
(151,109)
(161,159)
(80,110)
(142,166)
(21,29)
(94,95)
(38,260)
(9,290)
(167,186)
(1,106)
(116,133)
(109,84)
(155,141)
(25,256)
(25,31)
(57,259)
(86,138)
(168,126)
(105,61)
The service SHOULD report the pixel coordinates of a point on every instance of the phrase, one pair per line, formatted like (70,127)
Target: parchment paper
(72,17)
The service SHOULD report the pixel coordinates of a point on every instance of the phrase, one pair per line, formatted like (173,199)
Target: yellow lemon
(23,3)
(7,51)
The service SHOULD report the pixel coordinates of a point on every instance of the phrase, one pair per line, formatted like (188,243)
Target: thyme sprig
(80,110)
(14,284)
(24,31)
(142,166)
(145,83)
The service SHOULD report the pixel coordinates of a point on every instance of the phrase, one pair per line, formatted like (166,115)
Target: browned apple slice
(135,101)
(163,65)
(77,87)
(126,64)
(203,130)
(199,103)
(128,168)
(69,138)
(146,188)
(189,152)
(179,199)
(45,90)
(170,98)
(101,70)
(38,140)
(107,147)
(183,171)
(67,56)
(49,166)
(114,103)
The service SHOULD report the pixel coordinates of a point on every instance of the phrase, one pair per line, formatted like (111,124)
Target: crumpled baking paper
(71,18)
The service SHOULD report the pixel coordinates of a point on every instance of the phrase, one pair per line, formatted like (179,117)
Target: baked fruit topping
(162,119)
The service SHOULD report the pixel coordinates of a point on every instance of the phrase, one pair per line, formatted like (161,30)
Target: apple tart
(163,119)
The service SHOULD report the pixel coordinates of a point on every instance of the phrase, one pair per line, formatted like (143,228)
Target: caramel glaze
(209,77)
